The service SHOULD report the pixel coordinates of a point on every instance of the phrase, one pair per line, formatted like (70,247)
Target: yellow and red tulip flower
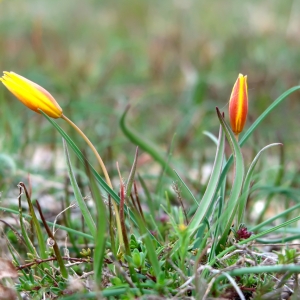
(238,105)
(31,94)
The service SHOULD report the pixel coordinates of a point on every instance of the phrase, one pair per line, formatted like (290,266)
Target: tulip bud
(238,105)
(31,94)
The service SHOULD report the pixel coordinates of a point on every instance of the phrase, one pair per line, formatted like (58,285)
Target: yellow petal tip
(31,94)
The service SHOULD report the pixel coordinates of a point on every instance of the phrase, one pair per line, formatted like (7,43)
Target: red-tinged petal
(238,104)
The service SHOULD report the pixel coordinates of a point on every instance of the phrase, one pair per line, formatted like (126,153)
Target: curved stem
(92,147)
(103,170)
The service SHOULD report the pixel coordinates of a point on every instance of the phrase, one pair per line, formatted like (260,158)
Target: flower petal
(31,94)
(238,104)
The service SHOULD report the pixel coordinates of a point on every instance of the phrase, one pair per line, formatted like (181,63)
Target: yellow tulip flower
(31,94)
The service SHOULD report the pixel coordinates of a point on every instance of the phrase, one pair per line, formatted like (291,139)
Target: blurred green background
(173,61)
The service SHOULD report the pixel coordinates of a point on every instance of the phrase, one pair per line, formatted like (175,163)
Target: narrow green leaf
(83,160)
(131,176)
(284,213)
(211,187)
(75,232)
(252,238)
(148,240)
(201,237)
(144,145)
(101,235)
(186,187)
(36,224)
(247,182)
(217,229)
(98,178)
(262,269)
(232,203)
(81,203)
(23,228)
(277,183)
(148,196)
(107,293)
(211,136)
(63,270)
(223,186)
(279,240)
(150,149)
(79,154)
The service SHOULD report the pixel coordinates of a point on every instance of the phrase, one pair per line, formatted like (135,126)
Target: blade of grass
(159,190)
(83,160)
(144,145)
(146,236)
(81,203)
(283,230)
(79,154)
(98,178)
(211,136)
(22,225)
(211,187)
(235,286)
(99,159)
(37,226)
(186,187)
(124,244)
(75,232)
(261,269)
(131,176)
(279,240)
(247,183)
(148,196)
(200,237)
(252,238)
(223,186)
(110,292)
(292,193)
(67,218)
(59,259)
(111,228)
(101,234)
(277,182)
(284,213)
(217,229)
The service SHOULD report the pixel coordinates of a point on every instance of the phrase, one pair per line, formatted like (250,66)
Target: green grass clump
(201,215)
(164,249)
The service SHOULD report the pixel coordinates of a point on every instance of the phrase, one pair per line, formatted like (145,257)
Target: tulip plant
(203,252)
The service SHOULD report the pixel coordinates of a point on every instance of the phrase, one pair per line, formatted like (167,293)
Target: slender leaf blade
(211,187)
(232,203)
(247,182)
(81,203)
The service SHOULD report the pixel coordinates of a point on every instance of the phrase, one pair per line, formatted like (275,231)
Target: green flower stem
(103,170)
(92,147)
